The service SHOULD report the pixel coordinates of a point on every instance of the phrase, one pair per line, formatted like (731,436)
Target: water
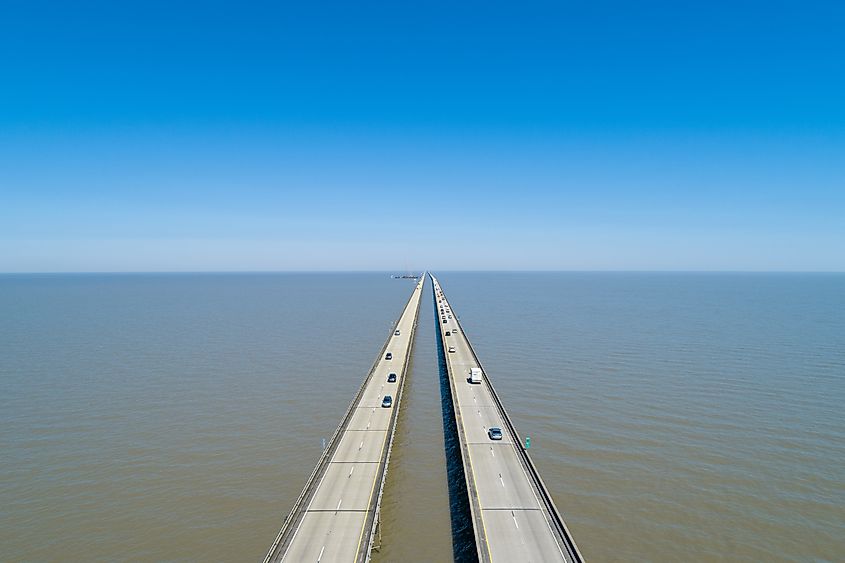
(176,417)
(416,504)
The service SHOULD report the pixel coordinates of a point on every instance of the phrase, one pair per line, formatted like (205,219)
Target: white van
(475,375)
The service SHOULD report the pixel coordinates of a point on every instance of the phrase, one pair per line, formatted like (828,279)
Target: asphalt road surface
(336,516)
(515,525)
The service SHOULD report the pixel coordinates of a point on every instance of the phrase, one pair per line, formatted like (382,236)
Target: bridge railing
(331,446)
(477,528)
(373,519)
(546,497)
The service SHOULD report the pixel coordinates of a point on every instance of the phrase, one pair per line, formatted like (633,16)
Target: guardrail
(477,529)
(373,521)
(296,512)
(555,518)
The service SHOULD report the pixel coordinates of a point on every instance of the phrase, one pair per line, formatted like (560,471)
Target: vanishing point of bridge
(336,517)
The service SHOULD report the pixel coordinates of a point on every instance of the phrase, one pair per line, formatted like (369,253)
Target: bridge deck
(514,517)
(335,517)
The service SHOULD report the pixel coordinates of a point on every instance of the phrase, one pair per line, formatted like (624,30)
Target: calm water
(176,417)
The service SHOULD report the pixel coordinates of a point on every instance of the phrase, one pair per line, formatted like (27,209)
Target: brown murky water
(176,417)
(415,506)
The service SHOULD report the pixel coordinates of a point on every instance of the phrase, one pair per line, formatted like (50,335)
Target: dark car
(495,433)
(388,356)
(388,401)
(391,378)
(448,333)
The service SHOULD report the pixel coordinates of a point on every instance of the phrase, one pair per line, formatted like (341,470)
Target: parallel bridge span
(335,517)
(514,516)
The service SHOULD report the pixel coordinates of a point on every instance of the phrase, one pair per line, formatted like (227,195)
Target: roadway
(514,517)
(336,516)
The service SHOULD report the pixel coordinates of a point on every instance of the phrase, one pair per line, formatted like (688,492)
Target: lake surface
(674,417)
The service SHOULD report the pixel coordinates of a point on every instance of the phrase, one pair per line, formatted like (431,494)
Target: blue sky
(139,136)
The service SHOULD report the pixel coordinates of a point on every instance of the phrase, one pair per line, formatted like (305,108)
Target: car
(397,333)
(445,321)
(450,316)
(448,333)
(388,356)
(451,349)
(388,401)
(391,378)
(495,433)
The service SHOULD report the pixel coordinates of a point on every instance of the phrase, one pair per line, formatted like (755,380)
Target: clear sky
(179,136)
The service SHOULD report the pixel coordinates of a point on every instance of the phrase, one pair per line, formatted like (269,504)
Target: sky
(568,135)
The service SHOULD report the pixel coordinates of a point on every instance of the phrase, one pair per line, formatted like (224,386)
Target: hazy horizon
(433,270)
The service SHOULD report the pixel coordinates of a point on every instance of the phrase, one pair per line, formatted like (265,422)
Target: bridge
(335,517)
(514,517)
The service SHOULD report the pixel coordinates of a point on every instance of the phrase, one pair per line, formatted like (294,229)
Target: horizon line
(421,272)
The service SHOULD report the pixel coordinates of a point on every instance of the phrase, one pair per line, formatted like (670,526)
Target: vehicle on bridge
(475,375)
(387,402)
